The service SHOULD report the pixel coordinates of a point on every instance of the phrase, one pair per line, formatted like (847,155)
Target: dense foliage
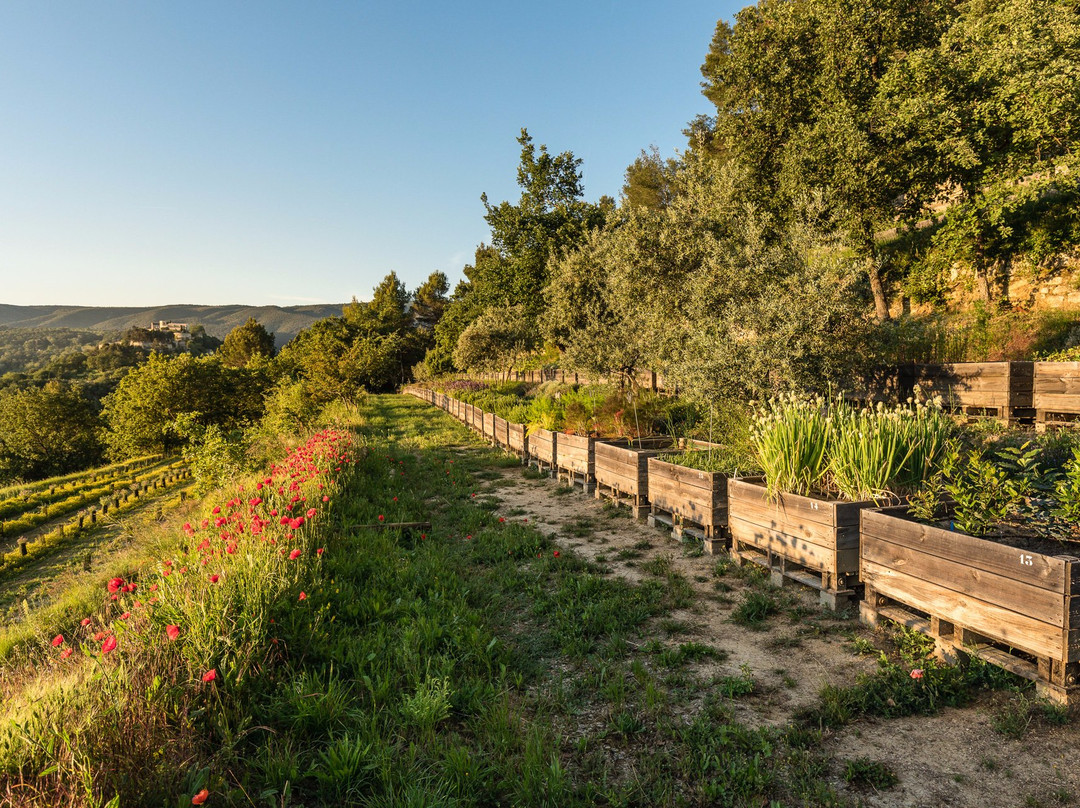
(860,156)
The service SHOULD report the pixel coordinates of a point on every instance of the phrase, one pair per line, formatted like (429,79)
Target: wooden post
(22,545)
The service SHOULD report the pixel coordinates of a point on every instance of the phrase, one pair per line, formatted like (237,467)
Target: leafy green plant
(791,438)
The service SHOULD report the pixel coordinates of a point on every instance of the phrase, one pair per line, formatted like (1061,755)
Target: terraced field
(63,524)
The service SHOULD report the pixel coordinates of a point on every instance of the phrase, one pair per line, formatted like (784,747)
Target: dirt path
(953,758)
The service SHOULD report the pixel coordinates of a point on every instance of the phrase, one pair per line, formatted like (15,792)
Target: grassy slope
(465,665)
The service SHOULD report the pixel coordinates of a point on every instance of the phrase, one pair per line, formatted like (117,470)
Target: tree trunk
(877,288)
(873,272)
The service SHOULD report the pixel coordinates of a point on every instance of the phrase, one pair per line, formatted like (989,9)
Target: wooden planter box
(576,460)
(544,449)
(476,418)
(690,501)
(517,439)
(499,432)
(804,539)
(1056,393)
(999,389)
(487,425)
(976,596)
(622,471)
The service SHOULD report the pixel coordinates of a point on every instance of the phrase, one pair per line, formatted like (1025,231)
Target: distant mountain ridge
(284,321)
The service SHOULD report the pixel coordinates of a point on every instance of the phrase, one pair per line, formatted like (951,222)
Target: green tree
(47,431)
(650,180)
(140,414)
(794,83)
(461,309)
(495,340)
(550,216)
(245,342)
(386,313)
(429,301)
(986,122)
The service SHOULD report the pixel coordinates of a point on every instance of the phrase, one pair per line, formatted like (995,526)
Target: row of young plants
(44,545)
(20,498)
(125,697)
(31,517)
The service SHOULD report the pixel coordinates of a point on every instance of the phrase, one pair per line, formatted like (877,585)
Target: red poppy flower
(381,517)
(294,554)
(108,645)
(86,621)
(320,551)
(556,553)
(303,596)
(58,640)
(210,675)
(172,632)
(214,579)
(66,653)
(200,798)
(125,615)
(115,584)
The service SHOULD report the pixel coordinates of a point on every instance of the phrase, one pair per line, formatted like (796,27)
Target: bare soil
(953,758)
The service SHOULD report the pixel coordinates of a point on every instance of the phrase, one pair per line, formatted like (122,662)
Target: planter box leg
(777,571)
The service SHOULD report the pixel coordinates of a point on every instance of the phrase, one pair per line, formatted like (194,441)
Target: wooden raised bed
(499,432)
(487,426)
(622,473)
(999,389)
(1008,606)
(544,449)
(476,418)
(1056,393)
(517,439)
(690,501)
(576,461)
(804,539)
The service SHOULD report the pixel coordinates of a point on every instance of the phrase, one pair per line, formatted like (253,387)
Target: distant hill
(284,321)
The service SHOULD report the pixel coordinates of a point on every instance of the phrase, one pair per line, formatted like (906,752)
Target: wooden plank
(543,446)
(1017,630)
(689,478)
(787,506)
(810,555)
(1043,571)
(1016,596)
(776,519)
(706,507)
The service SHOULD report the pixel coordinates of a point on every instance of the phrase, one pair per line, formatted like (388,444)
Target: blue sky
(284,153)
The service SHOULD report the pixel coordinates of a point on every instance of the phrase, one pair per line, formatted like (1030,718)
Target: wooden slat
(776,518)
(796,549)
(1017,630)
(1008,592)
(790,506)
(688,478)
(1045,572)
(543,445)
